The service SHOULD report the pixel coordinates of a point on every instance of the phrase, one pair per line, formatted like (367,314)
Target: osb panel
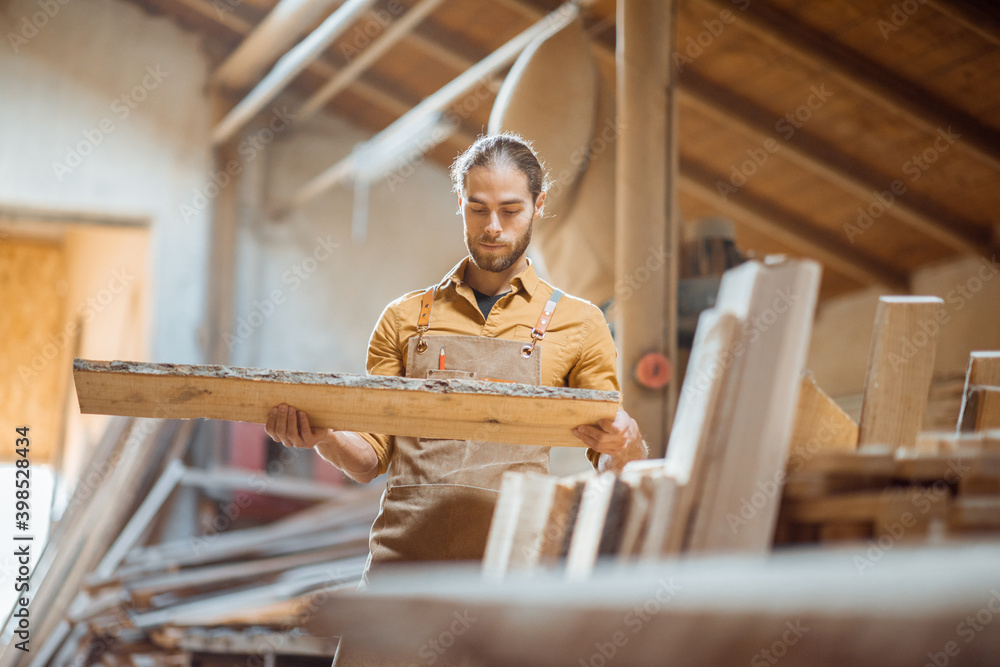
(35,346)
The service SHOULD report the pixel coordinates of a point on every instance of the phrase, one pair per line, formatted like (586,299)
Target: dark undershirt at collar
(486,302)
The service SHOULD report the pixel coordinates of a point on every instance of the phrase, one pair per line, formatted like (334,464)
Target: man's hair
(501,151)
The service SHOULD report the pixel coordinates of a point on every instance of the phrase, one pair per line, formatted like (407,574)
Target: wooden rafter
(435,103)
(865,77)
(396,31)
(815,156)
(971,17)
(288,67)
(279,30)
(236,27)
(767,218)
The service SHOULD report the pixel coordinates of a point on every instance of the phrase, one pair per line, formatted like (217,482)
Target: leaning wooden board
(456,409)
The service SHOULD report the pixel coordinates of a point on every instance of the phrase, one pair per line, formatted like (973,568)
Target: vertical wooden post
(646,221)
(221,296)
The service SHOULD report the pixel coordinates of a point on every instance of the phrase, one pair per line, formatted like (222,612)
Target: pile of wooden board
(736,423)
(101,593)
(934,487)
(760,455)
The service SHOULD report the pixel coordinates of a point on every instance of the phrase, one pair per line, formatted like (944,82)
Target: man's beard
(495,262)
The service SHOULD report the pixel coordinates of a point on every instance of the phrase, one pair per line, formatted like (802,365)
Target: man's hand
(346,450)
(618,440)
(291,428)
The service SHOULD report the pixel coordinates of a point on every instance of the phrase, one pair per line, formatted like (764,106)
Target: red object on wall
(654,371)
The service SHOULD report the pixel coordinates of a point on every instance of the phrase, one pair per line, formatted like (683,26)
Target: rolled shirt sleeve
(597,367)
(385,357)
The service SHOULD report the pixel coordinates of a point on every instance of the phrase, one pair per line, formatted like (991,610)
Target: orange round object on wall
(653,371)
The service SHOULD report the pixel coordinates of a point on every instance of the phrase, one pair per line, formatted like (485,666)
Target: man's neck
(490,283)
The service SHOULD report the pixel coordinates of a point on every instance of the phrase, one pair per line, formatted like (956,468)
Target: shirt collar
(528,279)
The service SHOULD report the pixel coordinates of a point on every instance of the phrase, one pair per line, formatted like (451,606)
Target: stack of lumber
(735,426)
(945,487)
(760,455)
(102,594)
(901,487)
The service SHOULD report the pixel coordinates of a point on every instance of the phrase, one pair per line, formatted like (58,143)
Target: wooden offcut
(981,409)
(900,369)
(453,409)
(984,370)
(821,425)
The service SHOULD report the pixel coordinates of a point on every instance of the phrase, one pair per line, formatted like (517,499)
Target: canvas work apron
(440,494)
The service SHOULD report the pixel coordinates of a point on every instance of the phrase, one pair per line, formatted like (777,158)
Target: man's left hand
(610,436)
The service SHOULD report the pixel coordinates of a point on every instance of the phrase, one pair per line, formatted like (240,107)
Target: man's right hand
(345,449)
(291,428)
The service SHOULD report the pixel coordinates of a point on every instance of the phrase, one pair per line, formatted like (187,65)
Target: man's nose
(494,225)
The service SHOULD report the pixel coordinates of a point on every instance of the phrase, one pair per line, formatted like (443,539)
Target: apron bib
(440,494)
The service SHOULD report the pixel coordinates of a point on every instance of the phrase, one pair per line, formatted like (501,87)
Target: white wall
(107,79)
(324,303)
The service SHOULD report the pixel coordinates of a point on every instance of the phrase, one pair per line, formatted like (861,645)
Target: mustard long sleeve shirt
(579,350)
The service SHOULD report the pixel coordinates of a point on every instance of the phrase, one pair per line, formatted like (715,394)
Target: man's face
(498,212)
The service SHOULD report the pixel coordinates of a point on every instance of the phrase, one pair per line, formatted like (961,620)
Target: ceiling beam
(439,52)
(434,104)
(972,17)
(396,31)
(227,19)
(320,69)
(288,67)
(822,160)
(811,154)
(765,217)
(865,77)
(279,30)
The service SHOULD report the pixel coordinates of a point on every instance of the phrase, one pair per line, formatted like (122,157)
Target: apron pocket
(438,374)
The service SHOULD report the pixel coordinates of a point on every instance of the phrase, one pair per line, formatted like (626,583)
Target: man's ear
(540,205)
(459,211)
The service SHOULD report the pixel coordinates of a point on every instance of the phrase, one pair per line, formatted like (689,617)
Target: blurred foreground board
(457,409)
(811,606)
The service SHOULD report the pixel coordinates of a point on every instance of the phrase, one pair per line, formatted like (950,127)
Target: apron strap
(424,321)
(538,332)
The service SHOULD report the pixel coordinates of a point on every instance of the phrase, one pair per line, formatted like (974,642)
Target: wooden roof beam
(288,67)
(699,181)
(439,101)
(279,30)
(396,31)
(972,17)
(320,68)
(814,155)
(865,77)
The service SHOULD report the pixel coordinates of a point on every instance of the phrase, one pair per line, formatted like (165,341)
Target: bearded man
(491,317)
